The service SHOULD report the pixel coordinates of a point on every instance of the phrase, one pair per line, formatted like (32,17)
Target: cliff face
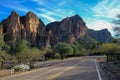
(101,35)
(34,27)
(68,30)
(12,27)
(27,27)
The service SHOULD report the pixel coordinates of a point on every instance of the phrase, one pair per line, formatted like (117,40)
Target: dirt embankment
(5,72)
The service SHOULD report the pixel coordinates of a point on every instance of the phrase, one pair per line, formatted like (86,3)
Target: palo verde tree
(17,47)
(63,49)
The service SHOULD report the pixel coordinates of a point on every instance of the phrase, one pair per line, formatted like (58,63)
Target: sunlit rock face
(102,35)
(67,30)
(34,28)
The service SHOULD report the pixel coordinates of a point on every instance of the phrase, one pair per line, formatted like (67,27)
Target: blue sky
(97,14)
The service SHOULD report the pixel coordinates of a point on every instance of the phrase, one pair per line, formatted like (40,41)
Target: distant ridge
(32,29)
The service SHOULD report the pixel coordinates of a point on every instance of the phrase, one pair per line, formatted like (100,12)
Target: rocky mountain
(68,30)
(12,27)
(32,29)
(102,35)
(28,27)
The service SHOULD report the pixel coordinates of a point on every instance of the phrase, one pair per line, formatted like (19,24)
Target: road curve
(83,68)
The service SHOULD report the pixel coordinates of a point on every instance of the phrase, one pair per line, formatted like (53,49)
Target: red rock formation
(13,27)
(32,24)
(28,27)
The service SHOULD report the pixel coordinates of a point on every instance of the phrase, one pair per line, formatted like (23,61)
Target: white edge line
(99,76)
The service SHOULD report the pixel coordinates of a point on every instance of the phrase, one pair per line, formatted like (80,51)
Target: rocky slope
(102,35)
(68,30)
(32,29)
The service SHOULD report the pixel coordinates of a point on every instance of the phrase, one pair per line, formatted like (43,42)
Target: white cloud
(107,8)
(99,24)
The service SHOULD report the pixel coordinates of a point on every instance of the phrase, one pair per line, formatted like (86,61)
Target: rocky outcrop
(102,35)
(34,28)
(13,28)
(67,30)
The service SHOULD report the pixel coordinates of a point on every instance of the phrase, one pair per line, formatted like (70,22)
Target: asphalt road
(83,68)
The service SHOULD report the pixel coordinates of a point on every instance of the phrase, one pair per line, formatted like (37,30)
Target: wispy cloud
(107,8)
(47,17)
(54,12)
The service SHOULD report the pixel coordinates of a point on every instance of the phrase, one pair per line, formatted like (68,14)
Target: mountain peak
(105,29)
(30,13)
(14,13)
(76,16)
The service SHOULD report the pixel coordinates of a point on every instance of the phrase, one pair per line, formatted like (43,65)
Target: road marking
(60,73)
(99,76)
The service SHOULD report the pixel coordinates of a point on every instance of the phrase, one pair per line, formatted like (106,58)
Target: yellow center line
(60,73)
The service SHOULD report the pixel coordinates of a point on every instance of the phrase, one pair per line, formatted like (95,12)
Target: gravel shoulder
(110,70)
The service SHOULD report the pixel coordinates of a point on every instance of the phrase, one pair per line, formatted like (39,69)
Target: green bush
(110,50)
(83,52)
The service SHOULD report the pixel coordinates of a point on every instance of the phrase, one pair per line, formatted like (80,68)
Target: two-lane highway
(83,68)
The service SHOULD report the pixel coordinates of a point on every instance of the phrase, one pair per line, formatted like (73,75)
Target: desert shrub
(83,52)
